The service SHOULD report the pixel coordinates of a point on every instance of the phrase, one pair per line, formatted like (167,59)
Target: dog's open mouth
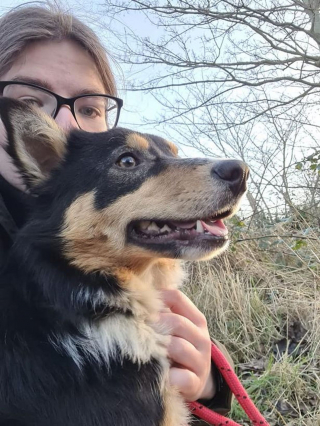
(156,231)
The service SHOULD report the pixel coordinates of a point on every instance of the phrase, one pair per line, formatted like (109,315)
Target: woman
(44,47)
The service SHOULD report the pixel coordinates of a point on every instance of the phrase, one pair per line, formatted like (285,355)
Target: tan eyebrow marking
(136,141)
(173,148)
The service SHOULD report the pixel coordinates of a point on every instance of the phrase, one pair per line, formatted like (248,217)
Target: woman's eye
(127,161)
(90,112)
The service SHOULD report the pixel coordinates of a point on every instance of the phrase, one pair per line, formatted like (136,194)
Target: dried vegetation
(262,300)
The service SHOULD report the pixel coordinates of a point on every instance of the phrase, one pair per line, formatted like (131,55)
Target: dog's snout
(234,172)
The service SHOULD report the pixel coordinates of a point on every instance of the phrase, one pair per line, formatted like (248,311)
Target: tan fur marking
(95,240)
(136,141)
(179,193)
(173,148)
(167,273)
(176,412)
(89,247)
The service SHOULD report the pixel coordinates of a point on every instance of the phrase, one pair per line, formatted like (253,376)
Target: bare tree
(234,78)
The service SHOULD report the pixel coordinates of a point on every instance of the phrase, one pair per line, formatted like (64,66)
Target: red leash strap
(236,388)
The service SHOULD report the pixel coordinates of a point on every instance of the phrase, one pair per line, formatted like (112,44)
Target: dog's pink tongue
(217,228)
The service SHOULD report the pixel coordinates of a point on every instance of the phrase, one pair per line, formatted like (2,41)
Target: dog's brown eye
(127,161)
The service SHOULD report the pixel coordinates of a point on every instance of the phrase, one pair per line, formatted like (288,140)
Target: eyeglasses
(92,112)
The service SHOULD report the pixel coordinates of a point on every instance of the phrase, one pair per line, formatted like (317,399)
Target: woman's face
(63,67)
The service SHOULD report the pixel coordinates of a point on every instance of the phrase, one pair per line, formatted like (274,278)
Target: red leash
(236,388)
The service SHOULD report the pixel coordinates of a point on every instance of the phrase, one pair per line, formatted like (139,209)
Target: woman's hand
(190,347)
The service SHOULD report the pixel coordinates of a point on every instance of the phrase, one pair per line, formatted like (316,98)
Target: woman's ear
(35,142)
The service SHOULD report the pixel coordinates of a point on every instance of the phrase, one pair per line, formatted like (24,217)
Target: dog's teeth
(165,228)
(200,228)
(153,227)
(144,224)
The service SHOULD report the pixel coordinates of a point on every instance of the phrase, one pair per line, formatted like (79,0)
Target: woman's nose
(65,119)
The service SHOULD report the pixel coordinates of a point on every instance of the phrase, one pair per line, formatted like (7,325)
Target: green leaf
(298,244)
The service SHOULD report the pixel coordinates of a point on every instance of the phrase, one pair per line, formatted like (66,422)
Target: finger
(182,305)
(182,352)
(186,381)
(182,327)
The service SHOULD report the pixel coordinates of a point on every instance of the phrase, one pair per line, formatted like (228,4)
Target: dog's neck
(116,311)
(75,294)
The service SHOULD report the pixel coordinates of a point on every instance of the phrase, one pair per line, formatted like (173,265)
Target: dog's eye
(127,161)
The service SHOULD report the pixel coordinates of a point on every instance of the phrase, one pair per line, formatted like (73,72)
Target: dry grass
(262,301)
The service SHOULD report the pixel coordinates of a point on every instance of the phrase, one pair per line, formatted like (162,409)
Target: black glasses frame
(66,101)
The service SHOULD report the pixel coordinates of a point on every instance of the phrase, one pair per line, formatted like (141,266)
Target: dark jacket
(14,213)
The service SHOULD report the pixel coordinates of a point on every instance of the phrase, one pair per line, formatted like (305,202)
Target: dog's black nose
(234,172)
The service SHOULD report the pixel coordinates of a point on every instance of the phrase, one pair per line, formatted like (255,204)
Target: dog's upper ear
(35,142)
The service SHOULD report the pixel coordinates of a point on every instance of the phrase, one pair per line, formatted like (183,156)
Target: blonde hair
(26,24)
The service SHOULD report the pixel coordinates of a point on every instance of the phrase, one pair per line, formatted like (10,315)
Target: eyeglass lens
(93,113)
(31,95)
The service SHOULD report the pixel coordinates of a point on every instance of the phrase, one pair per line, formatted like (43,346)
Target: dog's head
(120,196)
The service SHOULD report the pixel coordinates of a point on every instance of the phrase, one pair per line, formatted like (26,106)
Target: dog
(111,215)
